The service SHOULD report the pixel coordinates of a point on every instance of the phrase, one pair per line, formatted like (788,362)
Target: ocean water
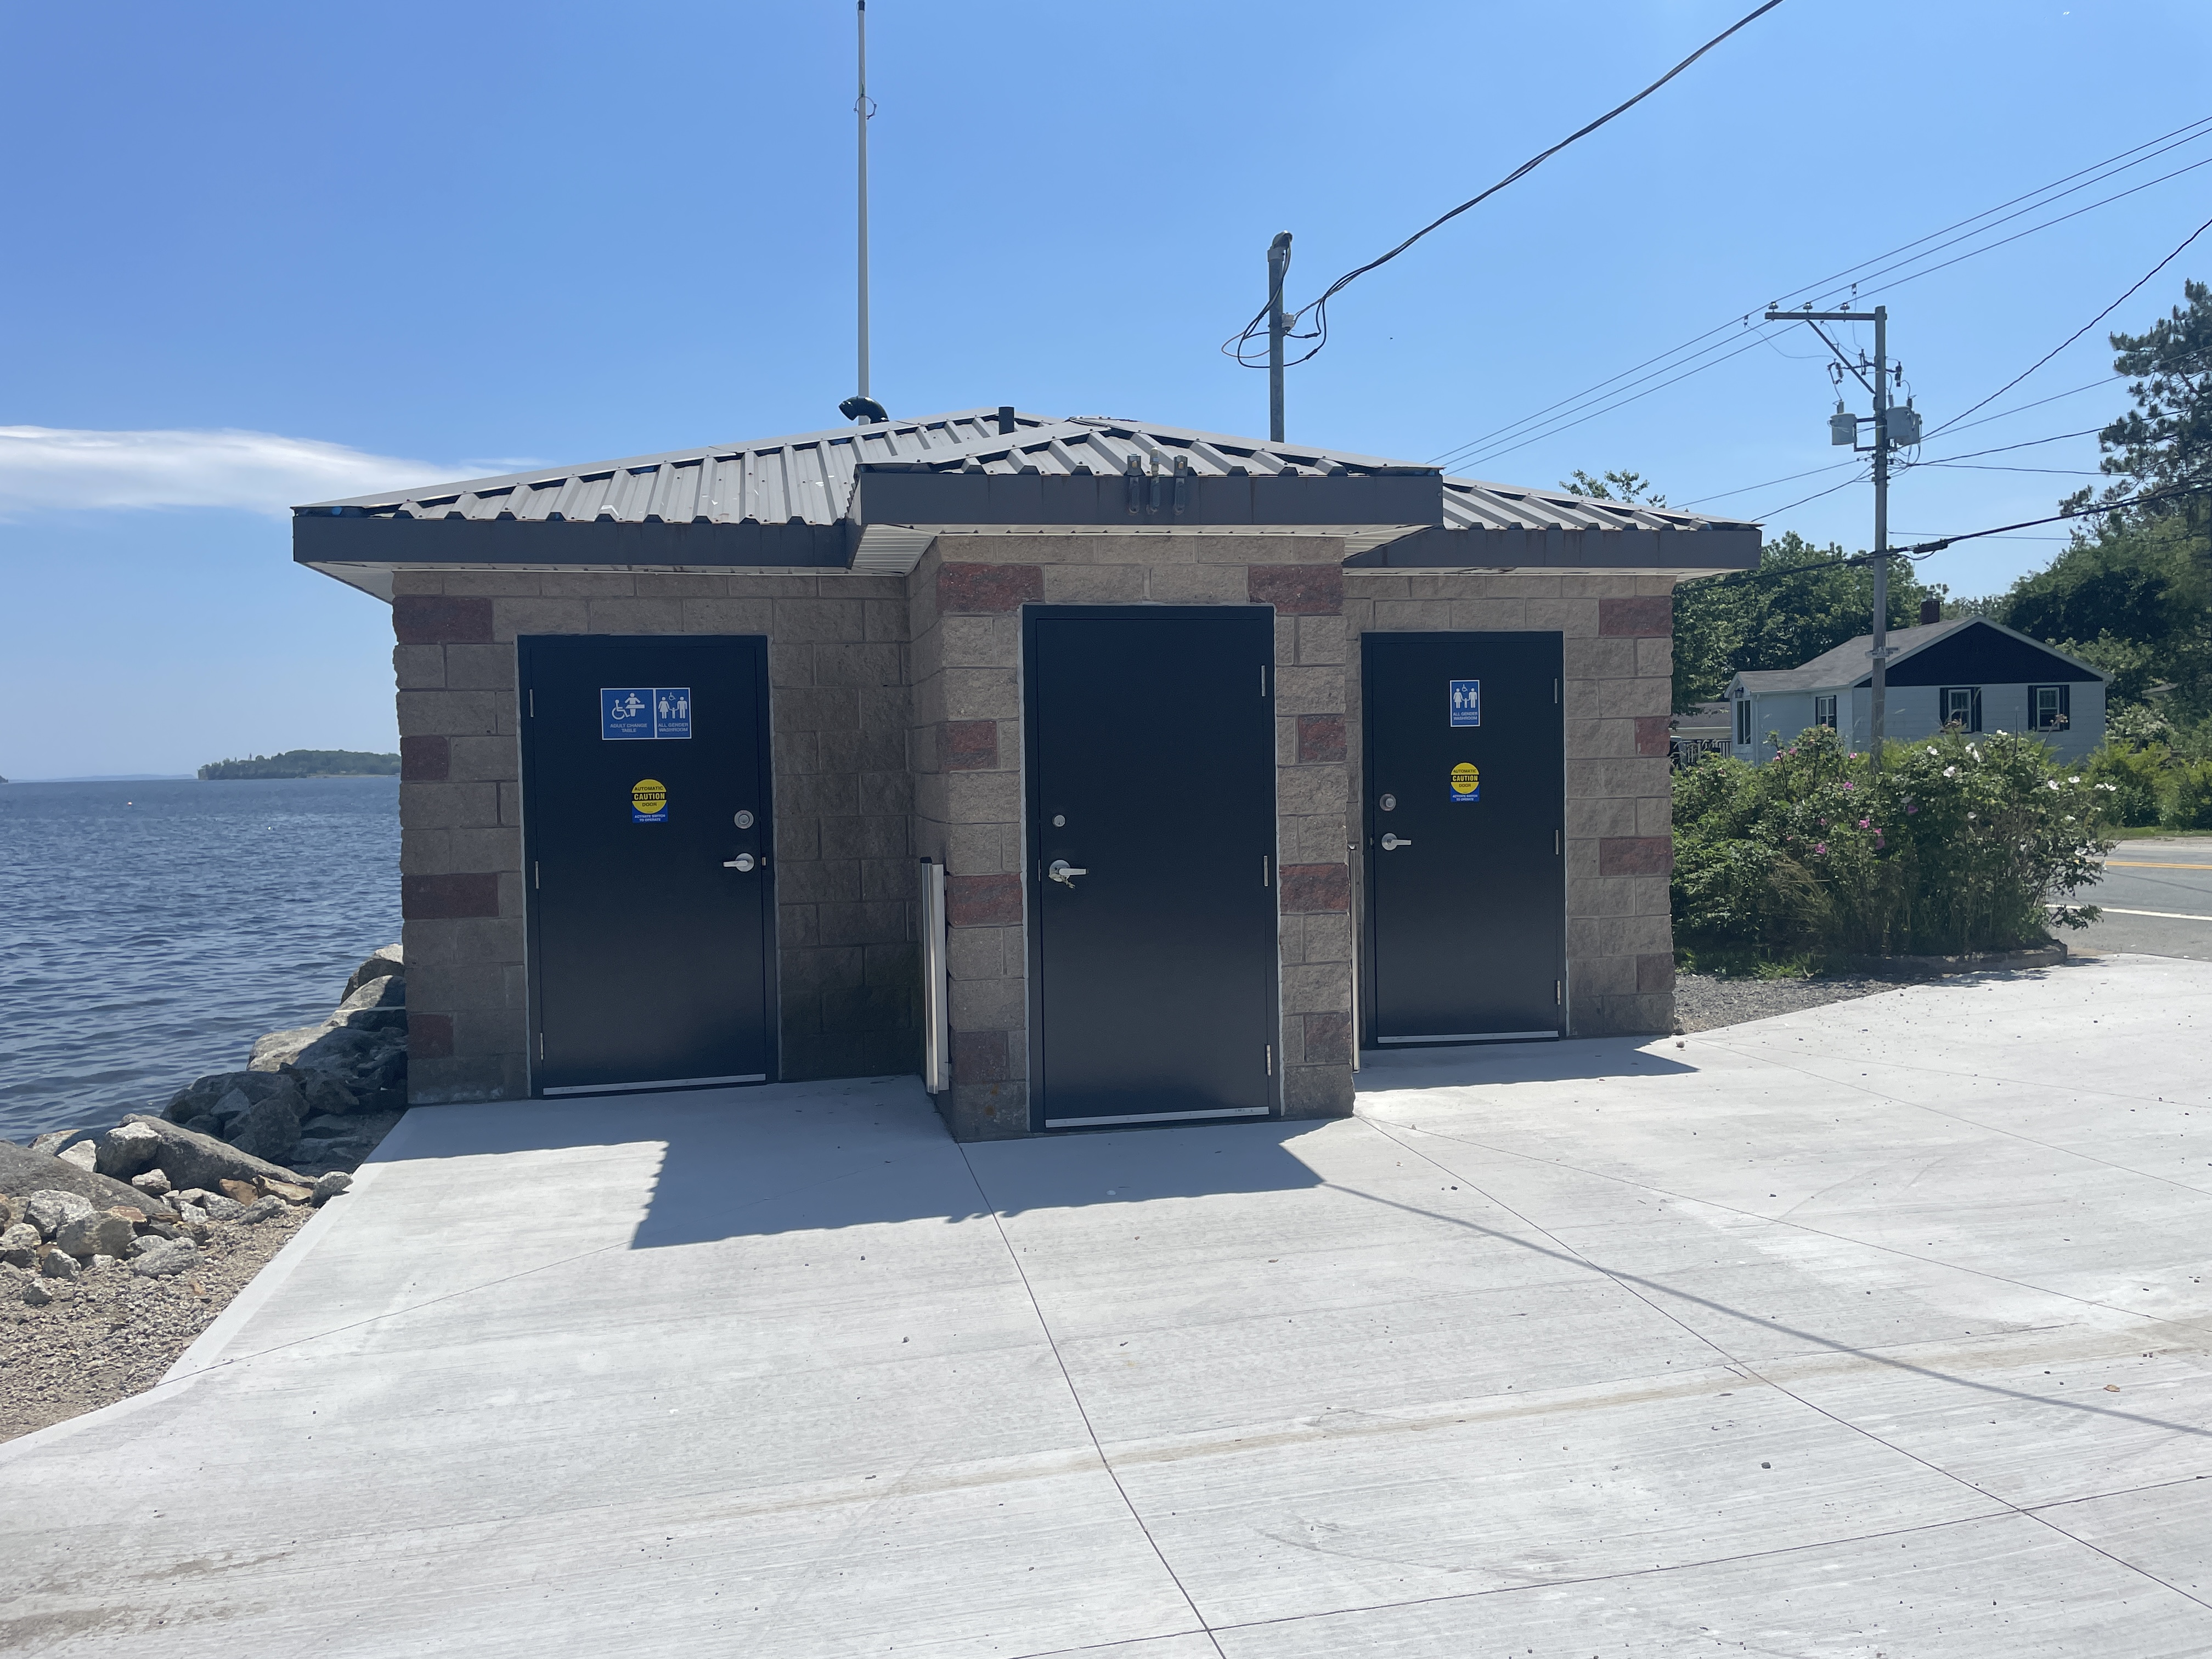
(149,932)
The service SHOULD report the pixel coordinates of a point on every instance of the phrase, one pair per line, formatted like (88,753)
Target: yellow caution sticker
(648,801)
(1466,781)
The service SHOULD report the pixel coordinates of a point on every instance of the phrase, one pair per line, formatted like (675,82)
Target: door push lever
(1392,843)
(742,861)
(1061,871)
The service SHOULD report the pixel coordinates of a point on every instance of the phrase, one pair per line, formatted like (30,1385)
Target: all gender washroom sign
(644,711)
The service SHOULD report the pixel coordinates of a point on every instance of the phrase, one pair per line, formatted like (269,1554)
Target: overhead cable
(2080,332)
(1234,346)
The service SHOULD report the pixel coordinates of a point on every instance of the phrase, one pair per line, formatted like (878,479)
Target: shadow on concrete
(793,1157)
(1592,1058)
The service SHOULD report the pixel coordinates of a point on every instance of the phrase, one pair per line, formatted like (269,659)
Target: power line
(2084,329)
(1319,308)
(1552,418)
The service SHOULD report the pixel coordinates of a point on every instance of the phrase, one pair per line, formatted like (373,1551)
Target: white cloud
(47,467)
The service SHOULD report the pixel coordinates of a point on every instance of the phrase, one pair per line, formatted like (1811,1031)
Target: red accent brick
(429,1036)
(1636,855)
(1652,618)
(1320,737)
(426,760)
(976,589)
(1307,888)
(979,1057)
(441,898)
(1327,1039)
(437,619)
(1297,590)
(969,745)
(1654,973)
(1651,734)
(983,901)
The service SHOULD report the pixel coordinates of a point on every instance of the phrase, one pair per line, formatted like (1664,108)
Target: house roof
(871,498)
(1847,664)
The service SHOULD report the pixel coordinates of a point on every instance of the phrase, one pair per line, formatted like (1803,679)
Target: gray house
(1970,673)
(1099,771)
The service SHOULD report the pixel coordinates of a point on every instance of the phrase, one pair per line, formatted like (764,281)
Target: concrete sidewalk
(1877,1329)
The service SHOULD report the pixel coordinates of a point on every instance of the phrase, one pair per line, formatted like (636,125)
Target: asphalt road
(2157,898)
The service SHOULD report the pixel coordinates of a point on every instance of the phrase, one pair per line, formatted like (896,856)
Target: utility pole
(1278,323)
(1892,427)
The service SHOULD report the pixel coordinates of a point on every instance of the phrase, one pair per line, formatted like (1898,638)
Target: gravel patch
(109,1332)
(1704,1002)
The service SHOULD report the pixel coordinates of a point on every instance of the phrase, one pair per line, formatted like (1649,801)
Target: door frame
(1365,955)
(1032,860)
(527,645)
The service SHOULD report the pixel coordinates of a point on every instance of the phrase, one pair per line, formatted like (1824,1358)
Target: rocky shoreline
(120,1244)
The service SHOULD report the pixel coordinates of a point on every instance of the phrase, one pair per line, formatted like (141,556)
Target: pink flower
(1911,809)
(1866,824)
(1819,847)
(1847,783)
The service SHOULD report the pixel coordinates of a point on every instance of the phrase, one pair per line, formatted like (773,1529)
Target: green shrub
(1962,843)
(2187,803)
(2135,779)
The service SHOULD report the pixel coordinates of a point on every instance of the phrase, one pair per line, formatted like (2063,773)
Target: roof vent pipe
(1006,420)
(1931,611)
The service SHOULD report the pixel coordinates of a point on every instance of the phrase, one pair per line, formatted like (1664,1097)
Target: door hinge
(541,1045)
(532,695)
(536,878)
(1263,868)
(1559,842)
(1263,679)
(1271,1059)
(1555,690)
(1558,992)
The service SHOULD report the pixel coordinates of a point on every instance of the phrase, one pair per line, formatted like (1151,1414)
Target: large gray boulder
(125,1150)
(98,1233)
(55,1142)
(370,1066)
(198,1098)
(166,1259)
(23,1171)
(270,1129)
(193,1159)
(381,964)
(379,1005)
(51,1210)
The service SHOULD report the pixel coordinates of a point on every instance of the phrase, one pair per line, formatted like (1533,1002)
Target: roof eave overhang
(1709,552)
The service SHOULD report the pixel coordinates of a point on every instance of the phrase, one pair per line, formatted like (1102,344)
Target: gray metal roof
(808,477)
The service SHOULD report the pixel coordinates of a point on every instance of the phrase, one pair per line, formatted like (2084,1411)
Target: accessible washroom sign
(634,712)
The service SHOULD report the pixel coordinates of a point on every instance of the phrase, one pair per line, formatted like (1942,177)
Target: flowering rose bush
(1962,842)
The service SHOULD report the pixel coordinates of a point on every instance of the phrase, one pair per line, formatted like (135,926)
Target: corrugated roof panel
(809,476)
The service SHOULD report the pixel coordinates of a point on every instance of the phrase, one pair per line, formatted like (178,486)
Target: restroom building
(1100,772)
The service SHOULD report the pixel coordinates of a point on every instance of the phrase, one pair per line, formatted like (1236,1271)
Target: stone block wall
(849,967)
(965,599)
(1619,655)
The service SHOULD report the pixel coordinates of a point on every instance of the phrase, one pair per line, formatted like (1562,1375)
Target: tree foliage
(1727,624)
(2134,595)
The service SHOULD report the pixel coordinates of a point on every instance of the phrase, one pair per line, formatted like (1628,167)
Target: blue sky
(413,242)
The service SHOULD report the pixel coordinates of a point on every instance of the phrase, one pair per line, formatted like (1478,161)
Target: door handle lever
(1061,870)
(1392,843)
(742,861)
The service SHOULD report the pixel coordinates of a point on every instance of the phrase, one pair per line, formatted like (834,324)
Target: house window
(1823,712)
(1961,706)
(1743,722)
(2048,707)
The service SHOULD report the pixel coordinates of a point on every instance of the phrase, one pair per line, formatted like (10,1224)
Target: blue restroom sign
(646,711)
(1467,703)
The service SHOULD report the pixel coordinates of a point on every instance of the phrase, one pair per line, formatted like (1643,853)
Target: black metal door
(1465,931)
(647,832)
(1152,789)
